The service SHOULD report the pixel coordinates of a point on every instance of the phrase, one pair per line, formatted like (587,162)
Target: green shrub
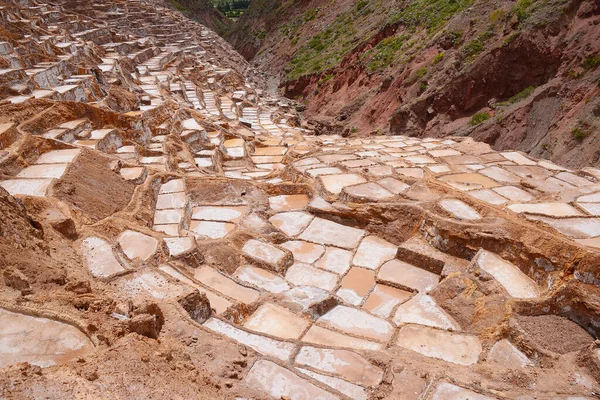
(578,133)
(479,118)
(354,129)
(421,72)
(324,79)
(497,15)
(473,48)
(438,58)
(523,94)
(591,62)
(521,9)
(361,4)
(385,52)
(422,87)
(310,15)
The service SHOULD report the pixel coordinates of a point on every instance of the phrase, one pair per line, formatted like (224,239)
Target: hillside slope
(518,75)
(203,12)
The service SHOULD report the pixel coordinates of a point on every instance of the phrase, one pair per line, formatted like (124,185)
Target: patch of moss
(324,79)
(438,58)
(479,117)
(475,46)
(497,15)
(421,72)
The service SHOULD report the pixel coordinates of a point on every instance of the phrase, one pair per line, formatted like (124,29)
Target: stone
(281,383)
(180,245)
(373,251)
(197,306)
(452,347)
(276,321)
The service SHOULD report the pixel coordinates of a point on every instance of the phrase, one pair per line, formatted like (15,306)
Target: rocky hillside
(201,11)
(516,74)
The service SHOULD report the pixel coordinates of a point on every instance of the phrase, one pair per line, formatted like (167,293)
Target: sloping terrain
(168,229)
(517,75)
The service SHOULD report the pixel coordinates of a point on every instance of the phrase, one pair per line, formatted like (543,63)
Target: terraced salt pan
(373,251)
(100,258)
(222,284)
(178,246)
(219,213)
(293,202)
(448,346)
(423,310)
(151,283)
(342,363)
(356,284)
(304,252)
(291,223)
(459,209)
(448,391)
(335,183)
(548,209)
(513,193)
(331,233)
(488,196)
(262,279)
(351,390)
(369,191)
(264,345)
(43,171)
(265,253)
(473,179)
(301,274)
(39,341)
(137,245)
(58,156)
(404,275)
(506,354)
(26,187)
(276,321)
(220,304)
(359,323)
(384,298)
(279,382)
(171,200)
(210,229)
(516,283)
(326,337)
(162,217)
(335,260)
